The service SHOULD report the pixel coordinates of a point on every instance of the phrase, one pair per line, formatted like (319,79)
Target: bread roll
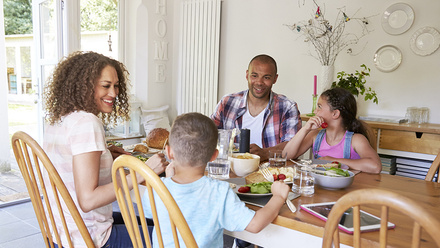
(157,138)
(255,177)
(140,148)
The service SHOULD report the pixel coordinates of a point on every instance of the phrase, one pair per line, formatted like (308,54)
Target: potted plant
(355,83)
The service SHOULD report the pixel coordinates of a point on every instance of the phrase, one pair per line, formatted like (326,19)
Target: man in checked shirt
(272,118)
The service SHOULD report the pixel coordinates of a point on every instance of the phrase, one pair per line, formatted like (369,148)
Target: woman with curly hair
(343,137)
(86,90)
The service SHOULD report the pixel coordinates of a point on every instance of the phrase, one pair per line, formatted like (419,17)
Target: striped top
(77,133)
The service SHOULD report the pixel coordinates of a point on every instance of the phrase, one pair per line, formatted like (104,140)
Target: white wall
(251,27)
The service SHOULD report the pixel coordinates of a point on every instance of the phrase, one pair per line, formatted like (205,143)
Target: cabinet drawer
(407,141)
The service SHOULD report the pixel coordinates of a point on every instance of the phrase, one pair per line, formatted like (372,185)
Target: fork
(266,174)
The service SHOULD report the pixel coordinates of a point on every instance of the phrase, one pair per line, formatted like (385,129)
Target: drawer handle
(419,135)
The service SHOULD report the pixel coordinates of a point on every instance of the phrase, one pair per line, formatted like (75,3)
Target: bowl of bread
(243,164)
(332,177)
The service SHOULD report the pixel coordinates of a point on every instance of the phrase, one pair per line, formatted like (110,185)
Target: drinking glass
(276,158)
(303,181)
(219,169)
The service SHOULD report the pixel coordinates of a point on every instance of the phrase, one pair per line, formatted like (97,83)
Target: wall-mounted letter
(161,28)
(160,73)
(161,50)
(161,7)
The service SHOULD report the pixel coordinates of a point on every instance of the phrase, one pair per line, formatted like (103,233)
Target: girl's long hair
(342,100)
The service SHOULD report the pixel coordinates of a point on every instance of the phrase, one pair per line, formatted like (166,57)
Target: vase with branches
(329,39)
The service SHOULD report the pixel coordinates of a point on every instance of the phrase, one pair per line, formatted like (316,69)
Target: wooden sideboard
(414,138)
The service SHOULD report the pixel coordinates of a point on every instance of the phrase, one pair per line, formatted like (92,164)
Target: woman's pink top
(80,132)
(336,151)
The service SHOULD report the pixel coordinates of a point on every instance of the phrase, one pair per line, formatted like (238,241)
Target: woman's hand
(116,151)
(157,163)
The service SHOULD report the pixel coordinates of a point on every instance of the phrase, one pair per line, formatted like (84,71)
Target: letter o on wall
(161,28)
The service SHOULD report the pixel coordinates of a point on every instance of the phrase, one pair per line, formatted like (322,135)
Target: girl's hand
(314,122)
(157,163)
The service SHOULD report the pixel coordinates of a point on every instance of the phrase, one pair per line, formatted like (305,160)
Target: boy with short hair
(208,205)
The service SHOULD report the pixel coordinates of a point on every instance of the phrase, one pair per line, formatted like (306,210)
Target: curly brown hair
(72,87)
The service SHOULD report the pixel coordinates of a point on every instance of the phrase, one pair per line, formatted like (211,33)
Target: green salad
(338,171)
(260,188)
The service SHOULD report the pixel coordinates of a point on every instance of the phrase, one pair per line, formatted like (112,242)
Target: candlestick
(315,97)
(314,85)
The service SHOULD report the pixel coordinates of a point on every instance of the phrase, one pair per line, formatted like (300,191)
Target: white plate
(425,41)
(249,194)
(397,18)
(387,58)
(130,148)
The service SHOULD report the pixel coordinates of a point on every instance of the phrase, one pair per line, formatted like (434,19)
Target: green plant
(355,83)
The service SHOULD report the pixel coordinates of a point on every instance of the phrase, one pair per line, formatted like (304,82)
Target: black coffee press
(245,136)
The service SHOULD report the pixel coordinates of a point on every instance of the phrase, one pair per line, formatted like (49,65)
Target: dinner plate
(249,194)
(387,58)
(130,148)
(425,41)
(397,18)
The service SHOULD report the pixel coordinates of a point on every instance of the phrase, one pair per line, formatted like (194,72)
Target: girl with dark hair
(343,137)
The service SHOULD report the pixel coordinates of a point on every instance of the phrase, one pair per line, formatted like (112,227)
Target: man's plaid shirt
(281,117)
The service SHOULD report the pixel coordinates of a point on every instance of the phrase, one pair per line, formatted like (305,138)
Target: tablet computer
(369,222)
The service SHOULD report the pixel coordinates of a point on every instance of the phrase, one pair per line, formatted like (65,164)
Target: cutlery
(266,173)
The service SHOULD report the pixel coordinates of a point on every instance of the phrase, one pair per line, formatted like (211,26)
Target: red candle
(314,86)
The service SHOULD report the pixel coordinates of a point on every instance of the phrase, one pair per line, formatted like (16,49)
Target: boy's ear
(214,155)
(169,152)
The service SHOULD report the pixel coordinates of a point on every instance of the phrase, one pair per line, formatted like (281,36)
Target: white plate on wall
(425,41)
(387,58)
(397,18)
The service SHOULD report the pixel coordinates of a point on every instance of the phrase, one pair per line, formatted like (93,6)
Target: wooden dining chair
(34,163)
(433,169)
(126,164)
(387,200)
(371,135)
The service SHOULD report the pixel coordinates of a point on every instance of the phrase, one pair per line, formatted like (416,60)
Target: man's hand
(116,151)
(263,153)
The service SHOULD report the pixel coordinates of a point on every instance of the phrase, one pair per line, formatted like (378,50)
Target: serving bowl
(332,182)
(243,164)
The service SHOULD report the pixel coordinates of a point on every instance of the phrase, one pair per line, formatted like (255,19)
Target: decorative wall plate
(397,18)
(425,41)
(387,58)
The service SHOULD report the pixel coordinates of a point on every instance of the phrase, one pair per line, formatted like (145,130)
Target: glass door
(48,30)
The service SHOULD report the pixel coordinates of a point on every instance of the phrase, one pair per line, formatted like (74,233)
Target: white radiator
(199,56)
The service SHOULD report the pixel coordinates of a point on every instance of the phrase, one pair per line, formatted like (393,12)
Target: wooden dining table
(301,229)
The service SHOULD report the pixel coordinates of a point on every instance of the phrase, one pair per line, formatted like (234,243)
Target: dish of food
(254,189)
(279,173)
(425,41)
(387,58)
(332,182)
(327,164)
(157,138)
(397,18)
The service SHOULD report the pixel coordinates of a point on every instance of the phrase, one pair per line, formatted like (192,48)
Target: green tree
(18,16)
(99,15)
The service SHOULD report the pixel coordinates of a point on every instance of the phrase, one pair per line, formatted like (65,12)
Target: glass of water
(303,181)
(276,158)
(219,168)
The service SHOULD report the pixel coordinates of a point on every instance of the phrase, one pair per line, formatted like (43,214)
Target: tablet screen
(369,222)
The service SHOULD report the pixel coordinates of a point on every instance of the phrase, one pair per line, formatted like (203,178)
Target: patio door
(48,41)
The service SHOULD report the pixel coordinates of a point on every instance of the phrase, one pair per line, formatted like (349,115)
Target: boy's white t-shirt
(255,125)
